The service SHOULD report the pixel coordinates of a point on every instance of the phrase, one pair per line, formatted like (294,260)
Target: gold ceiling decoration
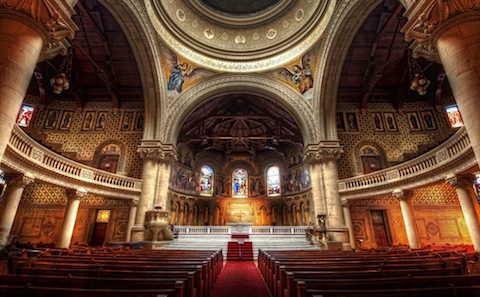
(240,43)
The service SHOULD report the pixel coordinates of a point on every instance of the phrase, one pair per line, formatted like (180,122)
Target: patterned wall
(394,143)
(438,217)
(81,142)
(39,218)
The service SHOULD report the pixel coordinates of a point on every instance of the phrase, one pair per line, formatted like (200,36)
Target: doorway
(380,227)
(100,228)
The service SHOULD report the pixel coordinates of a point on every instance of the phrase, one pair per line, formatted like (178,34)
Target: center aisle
(240,279)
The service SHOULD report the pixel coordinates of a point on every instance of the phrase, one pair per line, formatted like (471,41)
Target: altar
(240,228)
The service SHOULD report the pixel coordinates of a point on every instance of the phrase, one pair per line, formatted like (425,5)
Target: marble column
(448,31)
(348,222)
(318,197)
(13,195)
(408,219)
(74,197)
(147,197)
(131,218)
(462,184)
(28,29)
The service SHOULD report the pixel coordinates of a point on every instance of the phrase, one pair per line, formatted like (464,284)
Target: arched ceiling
(103,67)
(240,7)
(239,124)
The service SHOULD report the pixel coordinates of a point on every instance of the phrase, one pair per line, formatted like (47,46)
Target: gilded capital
(51,18)
(152,150)
(21,180)
(427,18)
(460,181)
(323,152)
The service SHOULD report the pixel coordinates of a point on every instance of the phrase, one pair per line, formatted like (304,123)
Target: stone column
(448,31)
(70,216)
(13,196)
(348,222)
(326,197)
(408,219)
(131,218)
(27,29)
(462,183)
(149,179)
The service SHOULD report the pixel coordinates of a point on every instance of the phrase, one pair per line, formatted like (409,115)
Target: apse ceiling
(240,124)
(376,68)
(101,63)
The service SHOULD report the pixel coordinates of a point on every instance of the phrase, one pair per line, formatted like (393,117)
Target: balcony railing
(226,230)
(26,155)
(452,156)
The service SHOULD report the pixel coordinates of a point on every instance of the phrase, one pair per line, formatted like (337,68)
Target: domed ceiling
(240,36)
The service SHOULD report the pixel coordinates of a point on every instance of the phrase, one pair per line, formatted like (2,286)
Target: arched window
(371,159)
(240,182)
(109,158)
(273,181)
(206,180)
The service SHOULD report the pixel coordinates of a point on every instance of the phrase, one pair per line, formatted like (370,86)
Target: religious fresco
(184,180)
(180,72)
(297,180)
(300,73)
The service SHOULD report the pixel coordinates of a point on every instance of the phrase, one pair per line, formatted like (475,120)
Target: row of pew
(111,272)
(370,273)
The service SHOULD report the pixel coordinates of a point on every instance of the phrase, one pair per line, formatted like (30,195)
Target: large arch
(270,89)
(142,37)
(349,17)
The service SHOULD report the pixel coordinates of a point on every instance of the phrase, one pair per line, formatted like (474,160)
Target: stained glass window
(206,181)
(240,182)
(476,186)
(25,115)
(273,181)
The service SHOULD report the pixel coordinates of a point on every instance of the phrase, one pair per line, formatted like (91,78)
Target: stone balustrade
(225,230)
(26,155)
(452,156)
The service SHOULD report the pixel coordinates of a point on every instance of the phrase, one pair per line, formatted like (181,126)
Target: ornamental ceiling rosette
(240,36)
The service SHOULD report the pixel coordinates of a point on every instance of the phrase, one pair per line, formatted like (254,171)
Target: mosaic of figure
(240,182)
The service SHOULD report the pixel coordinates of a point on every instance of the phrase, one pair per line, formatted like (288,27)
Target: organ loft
(253,133)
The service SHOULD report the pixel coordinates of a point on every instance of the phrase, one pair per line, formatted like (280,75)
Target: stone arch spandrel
(347,20)
(132,17)
(276,91)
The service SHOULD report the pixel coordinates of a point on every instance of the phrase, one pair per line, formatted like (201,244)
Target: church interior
(224,148)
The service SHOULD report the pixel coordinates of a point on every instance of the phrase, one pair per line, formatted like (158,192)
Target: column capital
(427,18)
(76,193)
(323,151)
(134,203)
(460,180)
(21,180)
(157,151)
(401,194)
(346,203)
(51,18)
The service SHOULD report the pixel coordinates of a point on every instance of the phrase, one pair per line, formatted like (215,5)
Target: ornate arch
(348,19)
(281,93)
(142,37)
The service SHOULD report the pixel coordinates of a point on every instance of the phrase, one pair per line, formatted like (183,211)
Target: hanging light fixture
(61,81)
(418,81)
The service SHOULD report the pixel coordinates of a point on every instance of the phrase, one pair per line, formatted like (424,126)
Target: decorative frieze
(323,152)
(154,150)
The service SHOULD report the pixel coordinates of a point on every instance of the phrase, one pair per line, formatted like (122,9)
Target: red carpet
(240,279)
(239,252)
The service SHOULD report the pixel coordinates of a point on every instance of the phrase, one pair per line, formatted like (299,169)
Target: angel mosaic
(300,74)
(181,70)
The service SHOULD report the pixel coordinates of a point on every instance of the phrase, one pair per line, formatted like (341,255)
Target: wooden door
(380,228)
(99,233)
(371,163)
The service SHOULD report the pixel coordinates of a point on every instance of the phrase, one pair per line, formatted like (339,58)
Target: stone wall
(40,215)
(438,217)
(81,142)
(397,144)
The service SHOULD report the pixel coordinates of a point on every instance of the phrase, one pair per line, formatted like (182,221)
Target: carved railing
(254,230)
(24,154)
(452,156)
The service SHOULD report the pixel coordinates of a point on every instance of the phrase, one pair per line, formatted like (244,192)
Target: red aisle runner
(240,279)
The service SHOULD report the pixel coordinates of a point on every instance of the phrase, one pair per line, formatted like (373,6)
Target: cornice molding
(157,151)
(324,151)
